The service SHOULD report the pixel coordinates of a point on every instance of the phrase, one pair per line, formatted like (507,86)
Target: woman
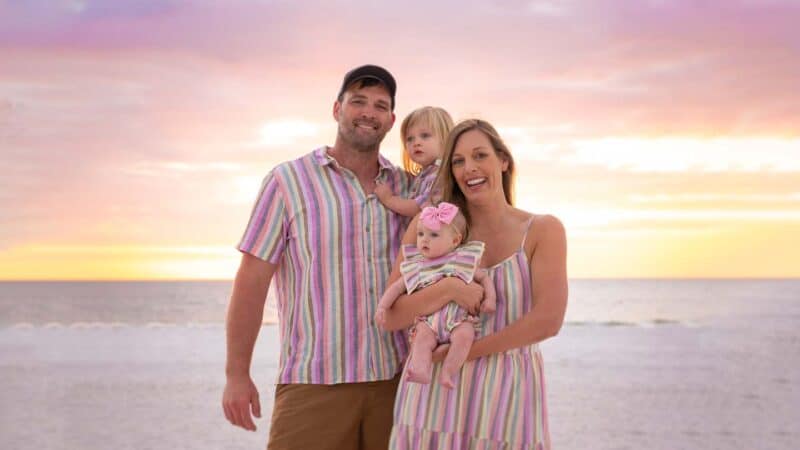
(498,400)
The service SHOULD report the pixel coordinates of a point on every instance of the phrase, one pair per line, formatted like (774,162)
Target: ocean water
(655,364)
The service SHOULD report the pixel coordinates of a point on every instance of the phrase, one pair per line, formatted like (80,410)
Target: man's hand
(382,191)
(240,393)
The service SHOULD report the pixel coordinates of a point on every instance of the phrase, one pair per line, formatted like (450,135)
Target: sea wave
(625,323)
(116,325)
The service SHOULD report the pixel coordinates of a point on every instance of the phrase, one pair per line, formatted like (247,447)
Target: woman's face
(476,167)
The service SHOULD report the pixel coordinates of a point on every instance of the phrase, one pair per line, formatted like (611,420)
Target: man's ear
(337,107)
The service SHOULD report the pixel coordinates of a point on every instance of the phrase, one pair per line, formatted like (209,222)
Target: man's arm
(245,315)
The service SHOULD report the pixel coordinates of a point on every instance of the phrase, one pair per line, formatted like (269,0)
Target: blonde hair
(449,188)
(436,119)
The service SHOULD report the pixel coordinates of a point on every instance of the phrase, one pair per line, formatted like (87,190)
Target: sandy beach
(725,378)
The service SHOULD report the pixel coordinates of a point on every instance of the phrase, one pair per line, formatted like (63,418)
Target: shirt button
(367,229)
(371,291)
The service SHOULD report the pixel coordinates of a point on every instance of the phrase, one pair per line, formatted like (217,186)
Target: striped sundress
(499,399)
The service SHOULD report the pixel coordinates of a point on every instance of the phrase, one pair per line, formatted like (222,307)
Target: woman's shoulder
(541,228)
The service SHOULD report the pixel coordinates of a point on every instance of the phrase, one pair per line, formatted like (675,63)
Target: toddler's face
(422,145)
(435,243)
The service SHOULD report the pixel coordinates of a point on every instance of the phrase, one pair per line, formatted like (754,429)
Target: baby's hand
(382,191)
(380,317)
(488,306)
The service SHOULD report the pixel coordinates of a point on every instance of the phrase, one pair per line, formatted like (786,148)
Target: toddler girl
(424,133)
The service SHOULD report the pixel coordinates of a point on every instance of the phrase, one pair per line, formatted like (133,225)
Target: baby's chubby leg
(419,363)
(460,342)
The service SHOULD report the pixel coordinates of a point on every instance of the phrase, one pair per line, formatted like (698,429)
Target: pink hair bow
(434,216)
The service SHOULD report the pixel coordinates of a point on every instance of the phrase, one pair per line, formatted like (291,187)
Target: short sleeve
(466,259)
(265,235)
(411,266)
(426,188)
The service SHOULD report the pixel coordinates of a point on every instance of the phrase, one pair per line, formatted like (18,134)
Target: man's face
(364,116)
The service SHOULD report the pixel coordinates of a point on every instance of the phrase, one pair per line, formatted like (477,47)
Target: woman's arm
(549,280)
(431,299)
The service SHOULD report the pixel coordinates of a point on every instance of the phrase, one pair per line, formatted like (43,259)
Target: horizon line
(201,280)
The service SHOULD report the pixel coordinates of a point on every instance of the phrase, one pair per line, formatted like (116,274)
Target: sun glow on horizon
(663,134)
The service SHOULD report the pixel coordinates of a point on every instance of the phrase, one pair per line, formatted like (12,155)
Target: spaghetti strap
(527,228)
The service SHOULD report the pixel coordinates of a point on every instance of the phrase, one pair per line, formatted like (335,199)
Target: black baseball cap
(370,71)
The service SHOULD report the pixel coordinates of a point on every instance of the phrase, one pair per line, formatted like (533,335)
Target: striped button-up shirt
(334,246)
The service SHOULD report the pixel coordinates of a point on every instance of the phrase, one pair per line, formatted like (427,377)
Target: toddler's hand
(382,191)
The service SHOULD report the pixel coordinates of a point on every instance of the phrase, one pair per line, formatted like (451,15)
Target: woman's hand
(468,296)
(439,353)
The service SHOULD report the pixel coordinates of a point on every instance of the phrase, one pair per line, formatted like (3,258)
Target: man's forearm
(246,313)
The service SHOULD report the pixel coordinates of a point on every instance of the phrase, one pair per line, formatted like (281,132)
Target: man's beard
(360,143)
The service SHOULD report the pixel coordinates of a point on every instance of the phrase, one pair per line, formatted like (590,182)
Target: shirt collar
(322,158)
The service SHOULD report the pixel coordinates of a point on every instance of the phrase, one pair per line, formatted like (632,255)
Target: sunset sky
(134,133)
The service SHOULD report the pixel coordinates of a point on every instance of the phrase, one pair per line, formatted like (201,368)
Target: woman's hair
(432,117)
(444,180)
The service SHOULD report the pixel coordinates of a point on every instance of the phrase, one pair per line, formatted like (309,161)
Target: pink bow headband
(434,216)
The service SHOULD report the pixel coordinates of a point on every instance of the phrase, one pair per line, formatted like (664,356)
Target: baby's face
(435,243)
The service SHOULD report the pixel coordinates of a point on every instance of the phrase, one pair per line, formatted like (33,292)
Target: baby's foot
(417,376)
(446,380)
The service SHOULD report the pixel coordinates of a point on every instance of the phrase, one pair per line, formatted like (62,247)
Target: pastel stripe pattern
(422,189)
(419,272)
(499,400)
(334,247)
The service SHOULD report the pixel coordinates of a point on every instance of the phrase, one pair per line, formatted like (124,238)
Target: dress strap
(527,229)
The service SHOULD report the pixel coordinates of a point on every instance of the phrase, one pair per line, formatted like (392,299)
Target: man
(330,244)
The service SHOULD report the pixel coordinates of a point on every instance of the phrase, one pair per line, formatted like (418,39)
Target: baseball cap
(370,71)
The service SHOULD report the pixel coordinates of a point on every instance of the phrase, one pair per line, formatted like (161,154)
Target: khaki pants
(355,416)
